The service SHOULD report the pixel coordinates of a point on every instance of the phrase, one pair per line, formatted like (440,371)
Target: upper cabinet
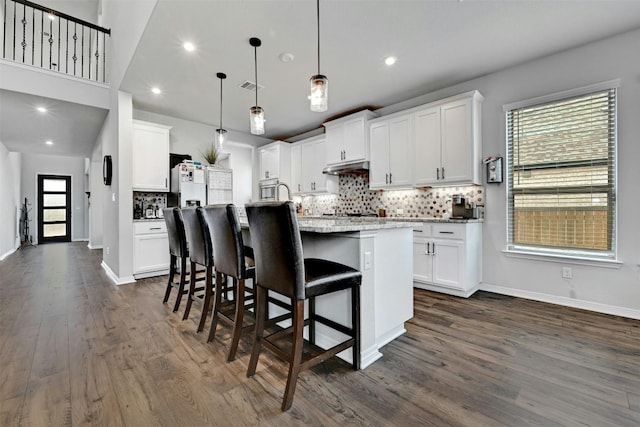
(307,161)
(347,138)
(275,159)
(391,152)
(150,154)
(447,139)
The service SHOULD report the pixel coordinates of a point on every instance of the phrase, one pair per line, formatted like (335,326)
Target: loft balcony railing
(42,37)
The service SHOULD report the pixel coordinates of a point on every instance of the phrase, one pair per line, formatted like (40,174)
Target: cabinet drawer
(149,227)
(448,231)
(424,230)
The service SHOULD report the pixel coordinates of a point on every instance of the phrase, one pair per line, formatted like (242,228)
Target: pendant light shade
(221,134)
(256,113)
(319,83)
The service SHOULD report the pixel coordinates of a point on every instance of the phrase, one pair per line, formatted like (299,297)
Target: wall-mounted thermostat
(494,169)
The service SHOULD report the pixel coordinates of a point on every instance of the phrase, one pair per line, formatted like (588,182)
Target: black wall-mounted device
(107,170)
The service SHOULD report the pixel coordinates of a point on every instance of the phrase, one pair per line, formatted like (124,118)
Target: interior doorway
(54,208)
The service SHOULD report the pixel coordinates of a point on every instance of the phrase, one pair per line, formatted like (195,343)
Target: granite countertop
(345,224)
(394,218)
(148,219)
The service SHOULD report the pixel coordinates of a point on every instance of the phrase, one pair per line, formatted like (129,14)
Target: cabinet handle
(445,232)
(433,248)
(298,187)
(155,228)
(390,178)
(386,178)
(437,173)
(428,252)
(443,172)
(165,182)
(418,231)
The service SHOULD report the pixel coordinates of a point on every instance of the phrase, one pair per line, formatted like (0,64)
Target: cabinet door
(422,261)
(309,164)
(334,143)
(150,154)
(355,140)
(296,169)
(379,167)
(449,263)
(151,252)
(426,131)
(400,152)
(457,150)
(269,163)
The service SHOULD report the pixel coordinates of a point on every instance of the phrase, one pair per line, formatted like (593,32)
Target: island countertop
(345,224)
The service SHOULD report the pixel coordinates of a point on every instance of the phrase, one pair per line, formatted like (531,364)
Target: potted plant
(211,154)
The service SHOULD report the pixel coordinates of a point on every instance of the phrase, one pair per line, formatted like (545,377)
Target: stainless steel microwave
(268,189)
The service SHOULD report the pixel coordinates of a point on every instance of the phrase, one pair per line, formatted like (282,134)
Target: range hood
(346,168)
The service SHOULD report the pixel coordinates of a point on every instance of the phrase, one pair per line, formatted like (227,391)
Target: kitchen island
(383,251)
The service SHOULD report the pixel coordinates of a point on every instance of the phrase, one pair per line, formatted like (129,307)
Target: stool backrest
(176,232)
(198,241)
(226,235)
(277,246)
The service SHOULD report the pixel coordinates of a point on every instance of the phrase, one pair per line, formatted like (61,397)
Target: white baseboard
(3,256)
(114,278)
(559,300)
(90,246)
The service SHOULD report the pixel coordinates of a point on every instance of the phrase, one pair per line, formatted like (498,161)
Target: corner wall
(10,171)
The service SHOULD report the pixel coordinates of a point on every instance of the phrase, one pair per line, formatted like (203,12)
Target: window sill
(564,258)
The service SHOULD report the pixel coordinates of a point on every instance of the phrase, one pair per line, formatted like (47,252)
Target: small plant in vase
(211,154)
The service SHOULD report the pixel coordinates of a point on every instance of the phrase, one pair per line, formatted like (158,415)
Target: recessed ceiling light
(156,90)
(189,47)
(390,60)
(286,57)
(49,142)
(42,109)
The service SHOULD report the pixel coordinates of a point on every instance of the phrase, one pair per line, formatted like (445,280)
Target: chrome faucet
(288,189)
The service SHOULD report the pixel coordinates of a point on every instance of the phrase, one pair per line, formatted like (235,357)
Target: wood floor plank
(79,350)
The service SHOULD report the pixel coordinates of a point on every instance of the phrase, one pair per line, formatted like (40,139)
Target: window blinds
(561,182)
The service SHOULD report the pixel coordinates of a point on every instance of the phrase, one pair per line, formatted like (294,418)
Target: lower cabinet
(150,249)
(447,257)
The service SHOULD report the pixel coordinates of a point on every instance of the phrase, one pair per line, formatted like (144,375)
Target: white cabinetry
(391,152)
(448,141)
(275,159)
(150,154)
(307,161)
(447,257)
(150,249)
(347,138)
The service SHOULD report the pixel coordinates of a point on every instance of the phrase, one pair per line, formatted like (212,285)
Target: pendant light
(256,114)
(319,83)
(221,134)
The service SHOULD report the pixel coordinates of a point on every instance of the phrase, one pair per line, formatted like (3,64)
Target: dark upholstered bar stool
(232,259)
(280,267)
(200,253)
(178,251)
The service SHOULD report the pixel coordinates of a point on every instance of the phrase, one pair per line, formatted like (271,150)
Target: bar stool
(200,253)
(177,250)
(280,267)
(232,259)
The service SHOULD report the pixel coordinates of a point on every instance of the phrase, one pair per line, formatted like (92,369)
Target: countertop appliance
(188,184)
(460,210)
(268,190)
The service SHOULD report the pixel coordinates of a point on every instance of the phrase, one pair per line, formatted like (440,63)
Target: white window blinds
(561,181)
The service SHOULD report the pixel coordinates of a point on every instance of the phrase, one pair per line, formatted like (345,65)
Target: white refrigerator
(188,185)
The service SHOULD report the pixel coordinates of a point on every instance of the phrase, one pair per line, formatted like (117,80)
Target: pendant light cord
(255,61)
(221,104)
(318,22)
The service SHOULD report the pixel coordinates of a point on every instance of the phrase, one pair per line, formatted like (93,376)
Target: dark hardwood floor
(77,350)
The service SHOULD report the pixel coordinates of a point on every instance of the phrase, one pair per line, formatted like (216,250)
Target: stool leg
(296,354)
(238,320)
(261,306)
(355,325)
(207,298)
(217,303)
(172,272)
(183,282)
(192,290)
(312,320)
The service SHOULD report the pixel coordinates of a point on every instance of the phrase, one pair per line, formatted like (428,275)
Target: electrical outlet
(108,250)
(367,260)
(567,272)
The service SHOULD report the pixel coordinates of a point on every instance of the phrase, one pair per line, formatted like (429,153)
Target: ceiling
(437,43)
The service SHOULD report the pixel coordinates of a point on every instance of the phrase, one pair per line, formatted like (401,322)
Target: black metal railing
(45,38)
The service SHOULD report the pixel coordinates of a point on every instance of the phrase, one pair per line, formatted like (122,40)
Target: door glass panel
(54,215)
(54,185)
(54,200)
(53,230)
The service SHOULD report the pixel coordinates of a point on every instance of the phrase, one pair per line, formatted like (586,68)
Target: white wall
(40,164)
(10,166)
(610,290)
(192,138)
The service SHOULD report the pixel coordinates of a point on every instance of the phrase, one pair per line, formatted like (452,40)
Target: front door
(54,208)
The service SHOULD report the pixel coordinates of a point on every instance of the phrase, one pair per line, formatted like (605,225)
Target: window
(561,180)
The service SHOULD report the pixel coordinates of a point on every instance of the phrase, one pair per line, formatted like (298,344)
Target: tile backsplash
(146,201)
(355,197)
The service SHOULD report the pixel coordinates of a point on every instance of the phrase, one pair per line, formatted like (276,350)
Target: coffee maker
(459,208)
